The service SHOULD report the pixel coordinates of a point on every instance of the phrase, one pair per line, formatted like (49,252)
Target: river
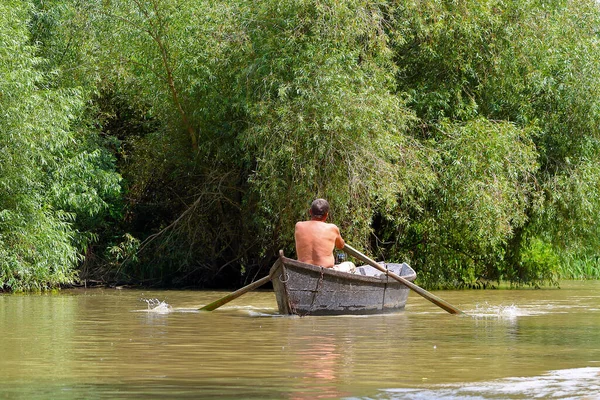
(147,344)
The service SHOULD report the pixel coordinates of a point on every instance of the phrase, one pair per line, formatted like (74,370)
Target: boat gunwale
(345,275)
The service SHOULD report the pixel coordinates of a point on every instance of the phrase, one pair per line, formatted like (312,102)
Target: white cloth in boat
(346,266)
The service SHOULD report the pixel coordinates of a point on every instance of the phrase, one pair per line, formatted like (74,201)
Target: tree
(531,65)
(288,102)
(48,176)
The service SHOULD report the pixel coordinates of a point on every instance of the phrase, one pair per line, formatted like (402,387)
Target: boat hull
(305,289)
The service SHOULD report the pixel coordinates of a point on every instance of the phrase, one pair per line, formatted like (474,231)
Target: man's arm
(339,242)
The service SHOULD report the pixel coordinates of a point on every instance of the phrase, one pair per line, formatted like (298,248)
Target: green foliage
(558,87)
(558,51)
(462,137)
(322,119)
(42,160)
(288,102)
(445,52)
(262,106)
(533,64)
(539,264)
(485,182)
(580,266)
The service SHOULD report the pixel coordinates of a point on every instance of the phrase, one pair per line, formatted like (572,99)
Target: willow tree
(530,70)
(166,94)
(452,134)
(323,120)
(559,51)
(260,108)
(48,177)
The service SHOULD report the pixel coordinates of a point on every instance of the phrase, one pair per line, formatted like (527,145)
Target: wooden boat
(304,289)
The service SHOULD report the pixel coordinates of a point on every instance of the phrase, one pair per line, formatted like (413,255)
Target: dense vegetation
(176,142)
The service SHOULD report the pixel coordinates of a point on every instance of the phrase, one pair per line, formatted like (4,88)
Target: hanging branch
(155,32)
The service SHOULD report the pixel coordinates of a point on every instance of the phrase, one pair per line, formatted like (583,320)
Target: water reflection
(319,361)
(330,356)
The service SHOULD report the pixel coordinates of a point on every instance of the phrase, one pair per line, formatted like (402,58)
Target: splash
(509,312)
(158,307)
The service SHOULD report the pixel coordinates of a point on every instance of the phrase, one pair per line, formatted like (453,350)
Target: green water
(112,344)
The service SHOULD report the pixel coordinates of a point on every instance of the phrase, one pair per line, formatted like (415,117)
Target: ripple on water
(156,306)
(577,383)
(253,311)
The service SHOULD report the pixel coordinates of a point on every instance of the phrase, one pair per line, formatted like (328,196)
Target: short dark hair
(319,208)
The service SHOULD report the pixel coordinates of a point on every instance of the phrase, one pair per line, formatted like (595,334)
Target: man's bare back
(316,239)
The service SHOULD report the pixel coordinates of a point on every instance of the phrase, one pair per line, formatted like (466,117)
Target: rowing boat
(303,289)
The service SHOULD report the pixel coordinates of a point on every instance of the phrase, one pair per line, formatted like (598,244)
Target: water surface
(134,344)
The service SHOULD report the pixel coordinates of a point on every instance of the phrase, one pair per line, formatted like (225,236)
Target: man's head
(319,209)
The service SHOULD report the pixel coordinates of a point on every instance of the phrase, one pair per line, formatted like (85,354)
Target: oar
(232,296)
(434,299)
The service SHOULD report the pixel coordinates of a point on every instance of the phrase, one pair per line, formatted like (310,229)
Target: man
(316,239)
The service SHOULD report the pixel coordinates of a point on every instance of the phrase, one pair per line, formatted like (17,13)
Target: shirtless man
(316,239)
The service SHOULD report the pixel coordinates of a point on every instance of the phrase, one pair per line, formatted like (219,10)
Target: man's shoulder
(315,224)
(302,225)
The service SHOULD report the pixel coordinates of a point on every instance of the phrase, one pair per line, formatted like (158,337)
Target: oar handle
(429,296)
